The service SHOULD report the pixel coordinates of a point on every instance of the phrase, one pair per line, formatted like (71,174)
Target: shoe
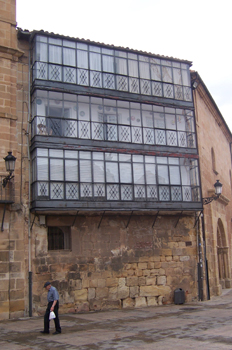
(56,332)
(43,332)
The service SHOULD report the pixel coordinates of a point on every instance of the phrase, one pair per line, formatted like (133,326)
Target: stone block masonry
(118,274)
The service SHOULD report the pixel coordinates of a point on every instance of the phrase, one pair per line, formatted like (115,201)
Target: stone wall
(13,121)
(115,266)
(214,134)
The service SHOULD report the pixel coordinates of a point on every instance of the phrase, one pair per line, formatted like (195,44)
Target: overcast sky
(199,31)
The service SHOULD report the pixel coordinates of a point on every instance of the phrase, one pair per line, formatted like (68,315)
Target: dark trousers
(56,320)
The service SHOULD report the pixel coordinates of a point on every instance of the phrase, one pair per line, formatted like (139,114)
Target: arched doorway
(222,253)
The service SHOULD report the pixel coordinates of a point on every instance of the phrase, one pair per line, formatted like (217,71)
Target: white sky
(199,31)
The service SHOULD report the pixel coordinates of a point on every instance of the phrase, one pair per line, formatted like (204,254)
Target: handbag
(52,315)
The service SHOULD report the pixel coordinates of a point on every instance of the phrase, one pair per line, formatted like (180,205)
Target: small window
(59,238)
(230,179)
(213,161)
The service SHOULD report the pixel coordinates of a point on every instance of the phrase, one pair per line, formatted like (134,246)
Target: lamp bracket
(7,179)
(208,200)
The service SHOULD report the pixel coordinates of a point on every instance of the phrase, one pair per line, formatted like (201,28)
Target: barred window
(59,238)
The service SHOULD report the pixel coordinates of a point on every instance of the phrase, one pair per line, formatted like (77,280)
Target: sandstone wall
(115,266)
(13,125)
(213,134)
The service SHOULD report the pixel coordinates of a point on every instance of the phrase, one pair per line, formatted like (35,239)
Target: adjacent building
(214,144)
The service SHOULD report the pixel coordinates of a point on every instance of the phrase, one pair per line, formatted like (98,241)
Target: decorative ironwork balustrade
(61,127)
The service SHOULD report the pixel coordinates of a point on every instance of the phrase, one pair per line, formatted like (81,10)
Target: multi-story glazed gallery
(114,174)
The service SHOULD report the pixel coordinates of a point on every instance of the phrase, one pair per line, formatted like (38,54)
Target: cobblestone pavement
(205,325)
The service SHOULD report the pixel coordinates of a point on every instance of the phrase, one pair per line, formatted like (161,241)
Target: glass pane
(41,38)
(95,48)
(98,155)
(84,129)
(107,51)
(149,159)
(56,169)
(163,174)
(71,154)
(144,70)
(121,66)
(174,175)
(185,175)
(124,157)
(167,74)
(125,173)
(132,56)
(55,41)
(97,113)
(111,103)
(135,117)
(84,155)
(177,76)
(85,171)
(171,138)
(69,43)
(159,120)
(180,122)
(150,173)
(160,137)
(120,54)
(111,172)
(147,119)
(186,77)
(82,59)
(138,170)
(173,160)
(155,72)
(69,57)
(111,156)
(162,160)
(170,121)
(56,153)
(164,194)
(133,68)
(43,152)
(55,54)
(123,116)
(108,64)
(194,173)
(137,159)
(82,46)
(40,106)
(95,61)
(42,168)
(98,171)
(71,170)
(83,111)
(70,109)
(41,52)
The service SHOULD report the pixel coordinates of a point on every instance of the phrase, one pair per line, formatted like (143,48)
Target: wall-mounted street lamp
(10,167)
(218,191)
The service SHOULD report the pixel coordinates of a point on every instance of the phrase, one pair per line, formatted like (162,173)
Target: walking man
(53,305)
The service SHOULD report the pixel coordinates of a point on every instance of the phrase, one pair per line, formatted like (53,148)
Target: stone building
(214,144)
(106,186)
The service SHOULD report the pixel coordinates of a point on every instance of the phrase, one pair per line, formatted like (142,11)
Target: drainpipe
(205,258)
(29,189)
(200,262)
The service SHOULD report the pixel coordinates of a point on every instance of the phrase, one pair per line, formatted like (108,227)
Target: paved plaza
(206,325)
